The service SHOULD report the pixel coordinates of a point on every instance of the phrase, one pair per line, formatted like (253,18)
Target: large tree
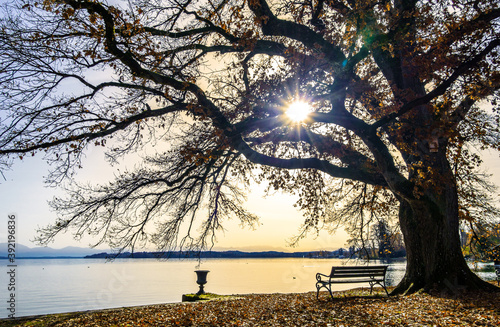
(398,90)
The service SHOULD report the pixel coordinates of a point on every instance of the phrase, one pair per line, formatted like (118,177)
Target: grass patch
(203,297)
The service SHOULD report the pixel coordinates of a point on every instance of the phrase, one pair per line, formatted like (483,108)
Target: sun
(298,111)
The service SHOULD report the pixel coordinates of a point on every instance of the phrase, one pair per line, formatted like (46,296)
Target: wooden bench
(352,274)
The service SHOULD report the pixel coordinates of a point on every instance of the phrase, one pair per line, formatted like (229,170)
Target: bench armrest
(318,277)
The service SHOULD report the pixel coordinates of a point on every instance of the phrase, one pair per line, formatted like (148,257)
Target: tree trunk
(430,228)
(434,257)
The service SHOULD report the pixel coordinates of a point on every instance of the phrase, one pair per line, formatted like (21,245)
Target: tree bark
(430,228)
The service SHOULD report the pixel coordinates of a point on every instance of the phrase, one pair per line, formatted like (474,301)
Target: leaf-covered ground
(352,308)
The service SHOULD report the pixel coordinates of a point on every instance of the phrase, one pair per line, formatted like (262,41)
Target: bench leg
(319,286)
(330,291)
(383,286)
(385,289)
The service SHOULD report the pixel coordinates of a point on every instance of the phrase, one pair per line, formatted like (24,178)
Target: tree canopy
(399,91)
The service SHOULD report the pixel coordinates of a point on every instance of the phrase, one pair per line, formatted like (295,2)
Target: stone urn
(201,280)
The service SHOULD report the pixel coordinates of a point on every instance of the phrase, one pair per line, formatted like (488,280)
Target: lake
(63,285)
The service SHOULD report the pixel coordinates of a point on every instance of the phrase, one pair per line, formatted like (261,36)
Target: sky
(24,194)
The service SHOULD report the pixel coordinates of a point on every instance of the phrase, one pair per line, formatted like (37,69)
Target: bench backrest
(358,271)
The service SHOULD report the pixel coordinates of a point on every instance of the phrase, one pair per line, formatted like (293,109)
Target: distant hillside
(23,251)
(222,254)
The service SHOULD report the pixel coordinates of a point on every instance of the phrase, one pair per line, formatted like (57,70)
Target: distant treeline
(218,254)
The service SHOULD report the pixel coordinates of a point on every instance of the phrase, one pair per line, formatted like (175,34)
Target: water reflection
(395,273)
(51,286)
(63,285)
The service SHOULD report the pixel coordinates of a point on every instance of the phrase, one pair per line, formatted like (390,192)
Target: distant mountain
(222,254)
(23,251)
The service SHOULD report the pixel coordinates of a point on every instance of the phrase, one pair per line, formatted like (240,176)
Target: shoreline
(72,313)
(132,307)
(352,307)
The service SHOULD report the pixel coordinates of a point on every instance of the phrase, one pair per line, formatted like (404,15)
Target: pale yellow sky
(25,195)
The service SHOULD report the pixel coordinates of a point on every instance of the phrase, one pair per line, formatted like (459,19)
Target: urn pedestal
(201,280)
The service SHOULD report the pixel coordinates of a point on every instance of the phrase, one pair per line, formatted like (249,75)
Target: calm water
(64,285)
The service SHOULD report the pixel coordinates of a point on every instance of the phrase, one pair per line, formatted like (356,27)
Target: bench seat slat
(354,268)
(353,281)
(358,267)
(368,274)
(334,279)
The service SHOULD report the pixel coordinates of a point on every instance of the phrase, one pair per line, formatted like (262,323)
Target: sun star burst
(298,111)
